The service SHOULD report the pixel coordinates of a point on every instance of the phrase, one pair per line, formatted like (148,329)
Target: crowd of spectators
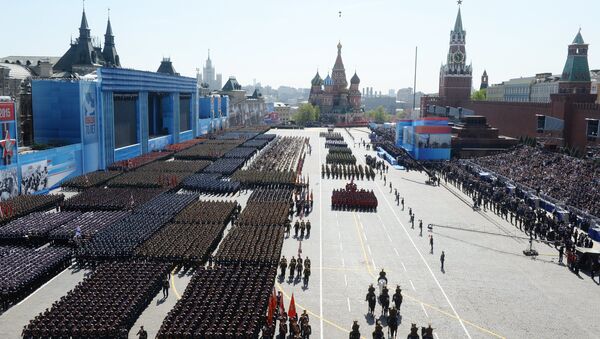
(517,206)
(573,181)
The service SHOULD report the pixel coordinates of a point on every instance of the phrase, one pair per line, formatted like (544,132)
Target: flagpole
(415,80)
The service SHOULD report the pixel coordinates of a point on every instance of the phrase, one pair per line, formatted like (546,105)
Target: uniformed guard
(292,267)
(283,265)
(397,298)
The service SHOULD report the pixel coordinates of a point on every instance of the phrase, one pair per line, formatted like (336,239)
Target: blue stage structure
(425,138)
(92,122)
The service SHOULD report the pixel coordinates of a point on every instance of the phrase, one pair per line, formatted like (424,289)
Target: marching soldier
(292,267)
(397,298)
(288,227)
(283,265)
(296,227)
(302,228)
(306,276)
(414,332)
(427,333)
(355,334)
(378,333)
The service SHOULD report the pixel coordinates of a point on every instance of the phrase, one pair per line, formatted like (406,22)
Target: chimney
(45,69)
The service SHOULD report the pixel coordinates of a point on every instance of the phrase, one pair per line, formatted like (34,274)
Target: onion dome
(317,81)
(355,79)
(328,81)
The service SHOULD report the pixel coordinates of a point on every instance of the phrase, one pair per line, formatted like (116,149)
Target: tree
(379,115)
(402,114)
(306,113)
(479,95)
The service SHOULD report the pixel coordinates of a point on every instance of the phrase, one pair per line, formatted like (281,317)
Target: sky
(284,42)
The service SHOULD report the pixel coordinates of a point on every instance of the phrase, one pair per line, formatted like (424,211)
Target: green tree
(379,115)
(306,113)
(402,114)
(479,95)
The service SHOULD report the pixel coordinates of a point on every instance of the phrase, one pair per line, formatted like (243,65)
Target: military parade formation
(122,228)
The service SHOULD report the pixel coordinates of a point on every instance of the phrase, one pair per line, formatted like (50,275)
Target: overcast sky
(283,42)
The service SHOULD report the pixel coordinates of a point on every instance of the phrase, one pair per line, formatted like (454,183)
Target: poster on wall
(45,170)
(88,107)
(9,186)
(34,177)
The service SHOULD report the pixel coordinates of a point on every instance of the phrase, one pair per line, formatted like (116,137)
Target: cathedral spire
(338,73)
(339,64)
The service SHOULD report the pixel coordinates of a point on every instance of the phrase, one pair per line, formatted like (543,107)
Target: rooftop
(16,71)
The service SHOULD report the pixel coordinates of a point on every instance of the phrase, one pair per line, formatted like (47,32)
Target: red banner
(292,309)
(433,129)
(7,111)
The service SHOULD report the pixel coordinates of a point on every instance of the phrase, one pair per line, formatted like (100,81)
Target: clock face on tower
(458,57)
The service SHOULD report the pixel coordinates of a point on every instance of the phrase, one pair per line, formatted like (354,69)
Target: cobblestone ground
(488,289)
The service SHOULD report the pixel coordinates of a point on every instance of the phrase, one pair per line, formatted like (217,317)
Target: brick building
(571,118)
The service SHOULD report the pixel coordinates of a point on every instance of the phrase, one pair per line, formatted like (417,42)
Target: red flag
(292,310)
(281,307)
(271,310)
